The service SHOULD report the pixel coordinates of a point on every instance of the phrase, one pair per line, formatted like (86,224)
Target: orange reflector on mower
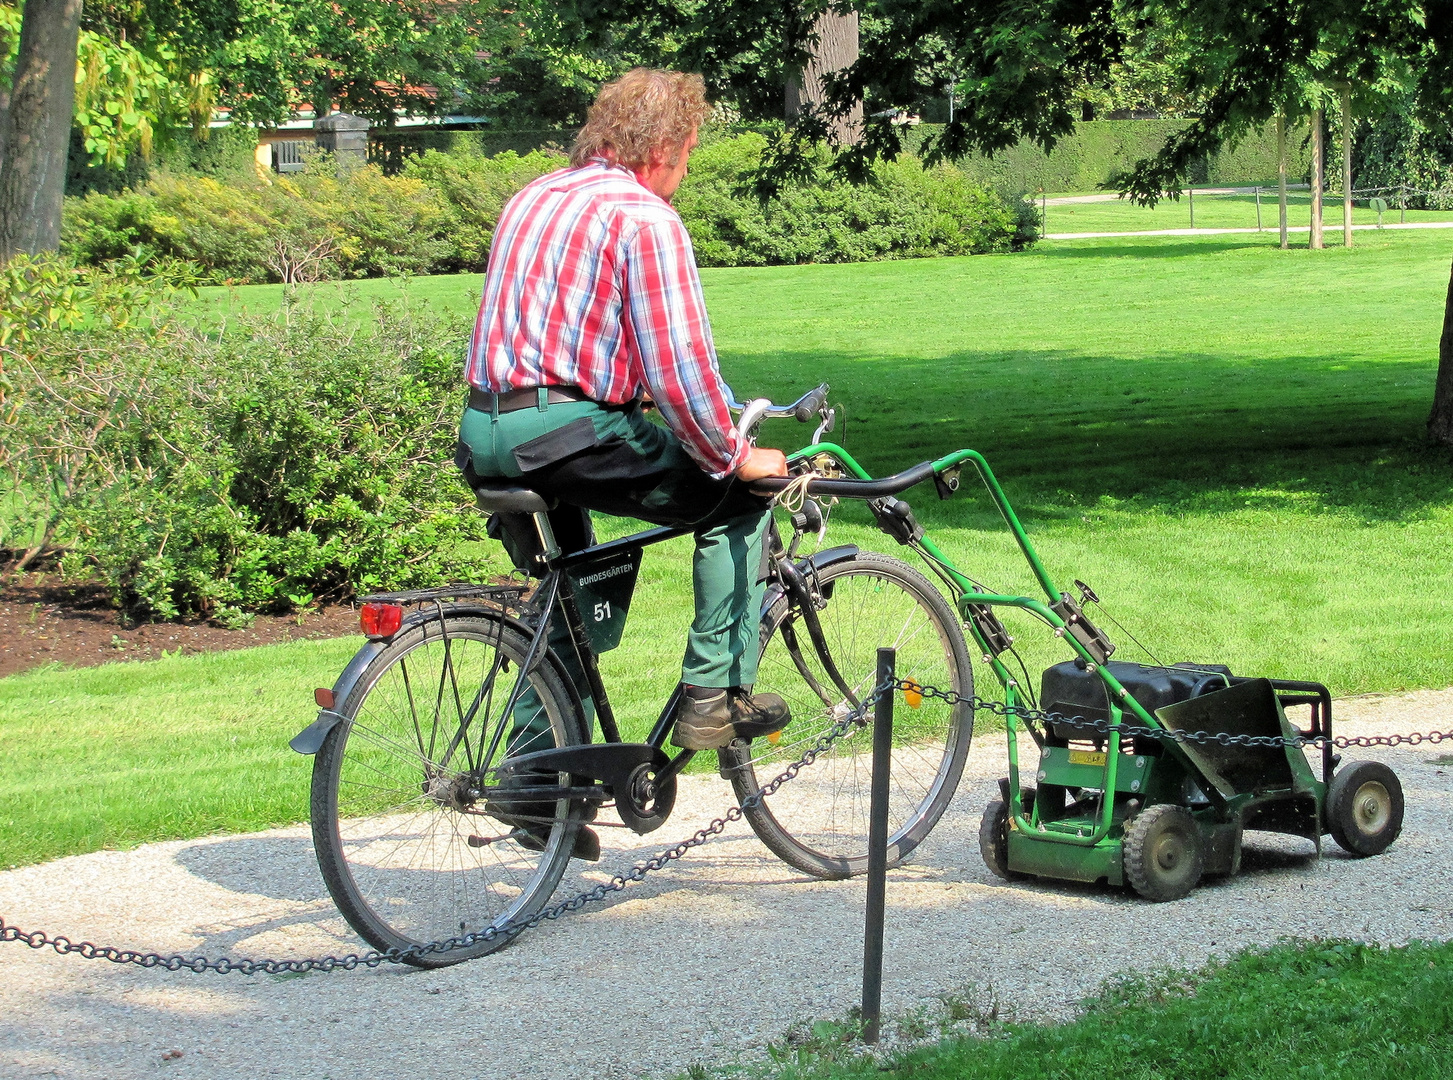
(380,620)
(912,694)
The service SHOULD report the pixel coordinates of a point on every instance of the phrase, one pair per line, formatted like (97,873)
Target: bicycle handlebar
(759,409)
(853,489)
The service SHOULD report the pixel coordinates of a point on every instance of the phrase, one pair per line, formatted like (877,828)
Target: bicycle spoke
(873,601)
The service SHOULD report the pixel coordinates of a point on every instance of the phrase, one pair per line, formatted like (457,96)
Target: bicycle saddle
(503,497)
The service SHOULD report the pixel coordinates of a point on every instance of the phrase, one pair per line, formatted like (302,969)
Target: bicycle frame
(616,767)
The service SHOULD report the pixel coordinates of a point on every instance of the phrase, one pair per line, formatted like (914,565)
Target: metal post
(1258,209)
(877,852)
(1043,215)
(1191,198)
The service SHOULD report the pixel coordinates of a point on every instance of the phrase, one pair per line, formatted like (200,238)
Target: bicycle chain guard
(631,772)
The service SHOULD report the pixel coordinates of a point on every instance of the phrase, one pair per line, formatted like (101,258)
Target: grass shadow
(1190,433)
(1150,247)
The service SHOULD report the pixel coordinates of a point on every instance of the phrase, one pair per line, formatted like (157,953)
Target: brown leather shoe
(710,718)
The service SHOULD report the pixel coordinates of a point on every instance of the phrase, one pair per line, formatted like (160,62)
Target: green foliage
(54,415)
(906,211)
(473,188)
(1399,150)
(308,227)
(123,95)
(440,213)
(293,456)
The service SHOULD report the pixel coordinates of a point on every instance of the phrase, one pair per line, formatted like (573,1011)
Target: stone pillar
(345,136)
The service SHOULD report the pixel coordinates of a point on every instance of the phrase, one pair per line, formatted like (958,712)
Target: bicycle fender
(816,561)
(310,739)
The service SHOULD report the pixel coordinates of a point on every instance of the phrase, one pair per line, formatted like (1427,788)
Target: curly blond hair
(646,110)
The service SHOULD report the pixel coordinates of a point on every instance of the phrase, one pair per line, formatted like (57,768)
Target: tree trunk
(1314,242)
(36,131)
(1346,166)
(1281,174)
(1440,421)
(837,48)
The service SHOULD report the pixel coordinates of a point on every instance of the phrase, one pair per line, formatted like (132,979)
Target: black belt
(529,398)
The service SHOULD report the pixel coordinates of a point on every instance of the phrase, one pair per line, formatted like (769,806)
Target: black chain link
(224,965)
(37,939)
(1200,738)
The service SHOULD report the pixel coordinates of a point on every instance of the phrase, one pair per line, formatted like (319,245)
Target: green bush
(295,457)
(439,214)
(474,188)
(312,226)
(904,212)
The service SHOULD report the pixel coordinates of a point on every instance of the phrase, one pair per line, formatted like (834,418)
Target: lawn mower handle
(853,489)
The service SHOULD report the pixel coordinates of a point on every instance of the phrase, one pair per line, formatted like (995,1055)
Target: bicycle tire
(398,842)
(819,822)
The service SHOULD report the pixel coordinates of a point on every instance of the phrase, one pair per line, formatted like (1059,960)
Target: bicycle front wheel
(408,850)
(819,822)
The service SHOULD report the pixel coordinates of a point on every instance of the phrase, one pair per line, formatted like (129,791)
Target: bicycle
(433,815)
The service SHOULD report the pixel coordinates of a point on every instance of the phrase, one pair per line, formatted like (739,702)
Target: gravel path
(714,956)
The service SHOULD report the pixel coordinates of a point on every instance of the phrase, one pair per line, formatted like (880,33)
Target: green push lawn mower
(1146,774)
(1161,812)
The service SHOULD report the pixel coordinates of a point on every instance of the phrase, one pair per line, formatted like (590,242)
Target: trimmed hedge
(1100,148)
(438,216)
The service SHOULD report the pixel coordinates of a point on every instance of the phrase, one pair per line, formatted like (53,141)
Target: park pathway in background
(1115,196)
(711,958)
(1225,232)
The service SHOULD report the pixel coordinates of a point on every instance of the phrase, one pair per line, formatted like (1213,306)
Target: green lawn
(1223,438)
(1323,1010)
(1222,212)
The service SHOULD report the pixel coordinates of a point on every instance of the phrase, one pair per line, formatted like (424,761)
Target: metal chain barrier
(1200,738)
(37,939)
(856,718)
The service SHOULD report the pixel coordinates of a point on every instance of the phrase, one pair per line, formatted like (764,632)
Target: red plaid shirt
(592,283)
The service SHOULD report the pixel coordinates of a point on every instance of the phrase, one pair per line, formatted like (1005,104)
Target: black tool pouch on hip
(557,445)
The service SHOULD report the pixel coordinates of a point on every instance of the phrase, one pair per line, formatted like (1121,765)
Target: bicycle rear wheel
(408,851)
(819,822)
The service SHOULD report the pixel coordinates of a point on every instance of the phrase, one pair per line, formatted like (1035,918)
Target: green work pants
(614,460)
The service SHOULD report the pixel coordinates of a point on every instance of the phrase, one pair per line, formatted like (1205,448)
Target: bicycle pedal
(587,845)
(738,746)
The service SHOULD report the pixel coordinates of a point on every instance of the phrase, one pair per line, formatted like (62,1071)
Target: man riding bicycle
(592,308)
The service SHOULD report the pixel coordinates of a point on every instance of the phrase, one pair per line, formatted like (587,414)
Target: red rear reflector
(324,697)
(381,620)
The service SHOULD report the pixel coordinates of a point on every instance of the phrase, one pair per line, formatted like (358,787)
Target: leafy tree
(35,127)
(123,97)
(1020,69)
